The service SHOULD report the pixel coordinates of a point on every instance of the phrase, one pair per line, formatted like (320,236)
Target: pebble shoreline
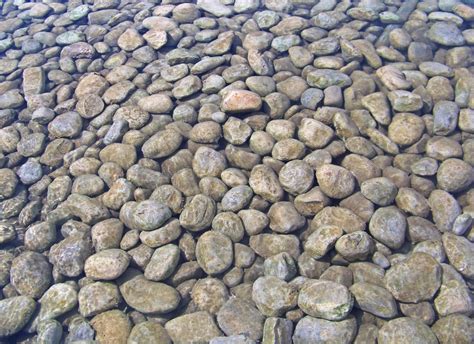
(237,171)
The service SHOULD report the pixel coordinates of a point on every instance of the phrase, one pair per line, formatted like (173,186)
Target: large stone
(107,264)
(374,299)
(406,330)
(31,274)
(238,316)
(145,216)
(273,296)
(197,327)
(239,101)
(15,313)
(149,297)
(198,214)
(311,330)
(460,253)
(325,299)
(214,252)
(416,279)
(34,80)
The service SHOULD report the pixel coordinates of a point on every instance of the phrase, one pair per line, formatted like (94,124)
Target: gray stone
(193,327)
(311,330)
(416,279)
(273,296)
(15,313)
(325,299)
(238,316)
(149,297)
(31,274)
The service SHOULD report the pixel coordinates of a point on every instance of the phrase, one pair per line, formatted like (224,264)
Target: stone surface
(193,327)
(406,329)
(416,279)
(311,330)
(236,171)
(239,316)
(325,299)
(149,297)
(15,313)
(273,296)
(239,101)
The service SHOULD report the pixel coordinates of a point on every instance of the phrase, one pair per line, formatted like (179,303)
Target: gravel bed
(237,171)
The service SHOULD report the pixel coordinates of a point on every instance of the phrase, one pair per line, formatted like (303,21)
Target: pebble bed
(237,171)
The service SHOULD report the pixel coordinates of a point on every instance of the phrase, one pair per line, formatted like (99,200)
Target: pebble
(335,181)
(97,297)
(198,214)
(15,313)
(56,301)
(250,322)
(31,274)
(381,191)
(241,101)
(163,263)
(112,326)
(415,279)
(384,307)
(214,252)
(310,330)
(325,299)
(284,218)
(280,265)
(406,329)
(107,264)
(147,296)
(459,252)
(388,225)
(146,215)
(69,255)
(197,326)
(273,296)
(277,330)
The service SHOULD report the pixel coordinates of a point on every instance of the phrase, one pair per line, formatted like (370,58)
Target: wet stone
(218,171)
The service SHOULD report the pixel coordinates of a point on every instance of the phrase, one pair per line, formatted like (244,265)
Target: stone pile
(236,171)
